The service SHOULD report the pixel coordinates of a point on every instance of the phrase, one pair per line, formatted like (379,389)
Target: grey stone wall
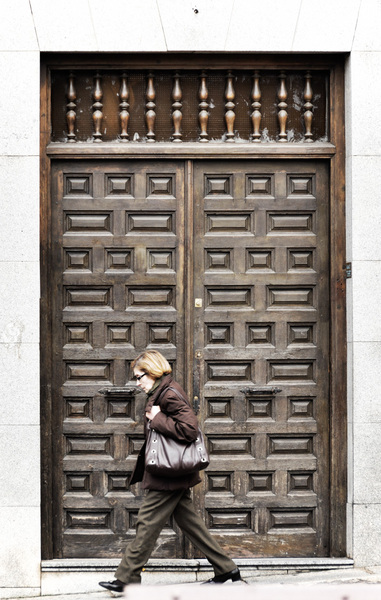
(30,27)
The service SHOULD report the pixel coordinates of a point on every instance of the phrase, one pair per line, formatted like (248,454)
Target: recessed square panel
(119,334)
(219,333)
(301,334)
(78,185)
(259,186)
(120,408)
(219,482)
(131,520)
(290,445)
(218,260)
(300,260)
(230,444)
(218,186)
(78,483)
(229,223)
(300,482)
(91,372)
(288,297)
(161,260)
(290,222)
(233,519)
(229,371)
(160,334)
(219,408)
(77,409)
(161,186)
(145,223)
(94,445)
(87,223)
(291,520)
(118,483)
(134,445)
(261,482)
(291,371)
(91,297)
(150,297)
(301,186)
(229,297)
(119,260)
(260,409)
(119,185)
(301,408)
(96,519)
(261,334)
(78,260)
(259,260)
(78,334)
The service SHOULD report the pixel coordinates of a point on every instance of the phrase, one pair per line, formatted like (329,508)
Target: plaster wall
(28,27)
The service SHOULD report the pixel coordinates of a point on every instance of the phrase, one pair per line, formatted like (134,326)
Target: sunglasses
(139,377)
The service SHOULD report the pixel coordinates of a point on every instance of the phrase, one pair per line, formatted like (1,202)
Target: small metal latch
(260,392)
(128,390)
(198,354)
(348,270)
(196,404)
(198,302)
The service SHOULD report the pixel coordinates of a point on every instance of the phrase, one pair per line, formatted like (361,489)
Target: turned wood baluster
(177,115)
(97,109)
(150,106)
(71,115)
(203,115)
(229,105)
(256,115)
(282,105)
(124,115)
(308,108)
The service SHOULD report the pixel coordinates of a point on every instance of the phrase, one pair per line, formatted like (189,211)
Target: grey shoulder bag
(166,457)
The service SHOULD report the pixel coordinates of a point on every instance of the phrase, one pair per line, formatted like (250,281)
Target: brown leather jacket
(176,420)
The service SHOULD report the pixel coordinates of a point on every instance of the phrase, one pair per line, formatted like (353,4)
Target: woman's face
(144,381)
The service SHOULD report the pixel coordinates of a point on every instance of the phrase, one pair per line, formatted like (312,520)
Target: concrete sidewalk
(336,583)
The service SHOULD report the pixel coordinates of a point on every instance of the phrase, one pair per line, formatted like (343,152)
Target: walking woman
(170,414)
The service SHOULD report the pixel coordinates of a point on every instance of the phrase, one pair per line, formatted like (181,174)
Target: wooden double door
(223,266)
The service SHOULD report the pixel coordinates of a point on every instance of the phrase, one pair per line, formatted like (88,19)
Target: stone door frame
(334,151)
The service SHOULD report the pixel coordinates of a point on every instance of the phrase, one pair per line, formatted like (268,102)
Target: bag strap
(178,394)
(172,390)
(156,401)
(185,400)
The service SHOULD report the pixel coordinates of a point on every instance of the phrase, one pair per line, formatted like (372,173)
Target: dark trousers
(155,511)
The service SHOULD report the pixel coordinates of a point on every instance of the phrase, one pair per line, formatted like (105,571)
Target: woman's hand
(154,410)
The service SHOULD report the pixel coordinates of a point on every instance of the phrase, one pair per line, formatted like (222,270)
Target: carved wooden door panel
(261,287)
(117,283)
(261,318)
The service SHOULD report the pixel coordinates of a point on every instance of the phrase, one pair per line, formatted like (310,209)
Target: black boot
(113,586)
(234,575)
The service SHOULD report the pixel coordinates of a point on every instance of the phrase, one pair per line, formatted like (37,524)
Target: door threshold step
(196,565)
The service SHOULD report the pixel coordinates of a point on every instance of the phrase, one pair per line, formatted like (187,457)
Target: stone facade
(29,27)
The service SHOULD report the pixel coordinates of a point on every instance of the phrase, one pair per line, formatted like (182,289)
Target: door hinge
(348,270)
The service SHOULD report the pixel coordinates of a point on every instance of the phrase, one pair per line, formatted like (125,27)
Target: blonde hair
(153,363)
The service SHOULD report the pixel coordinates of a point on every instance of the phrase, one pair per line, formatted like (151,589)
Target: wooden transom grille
(190,106)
